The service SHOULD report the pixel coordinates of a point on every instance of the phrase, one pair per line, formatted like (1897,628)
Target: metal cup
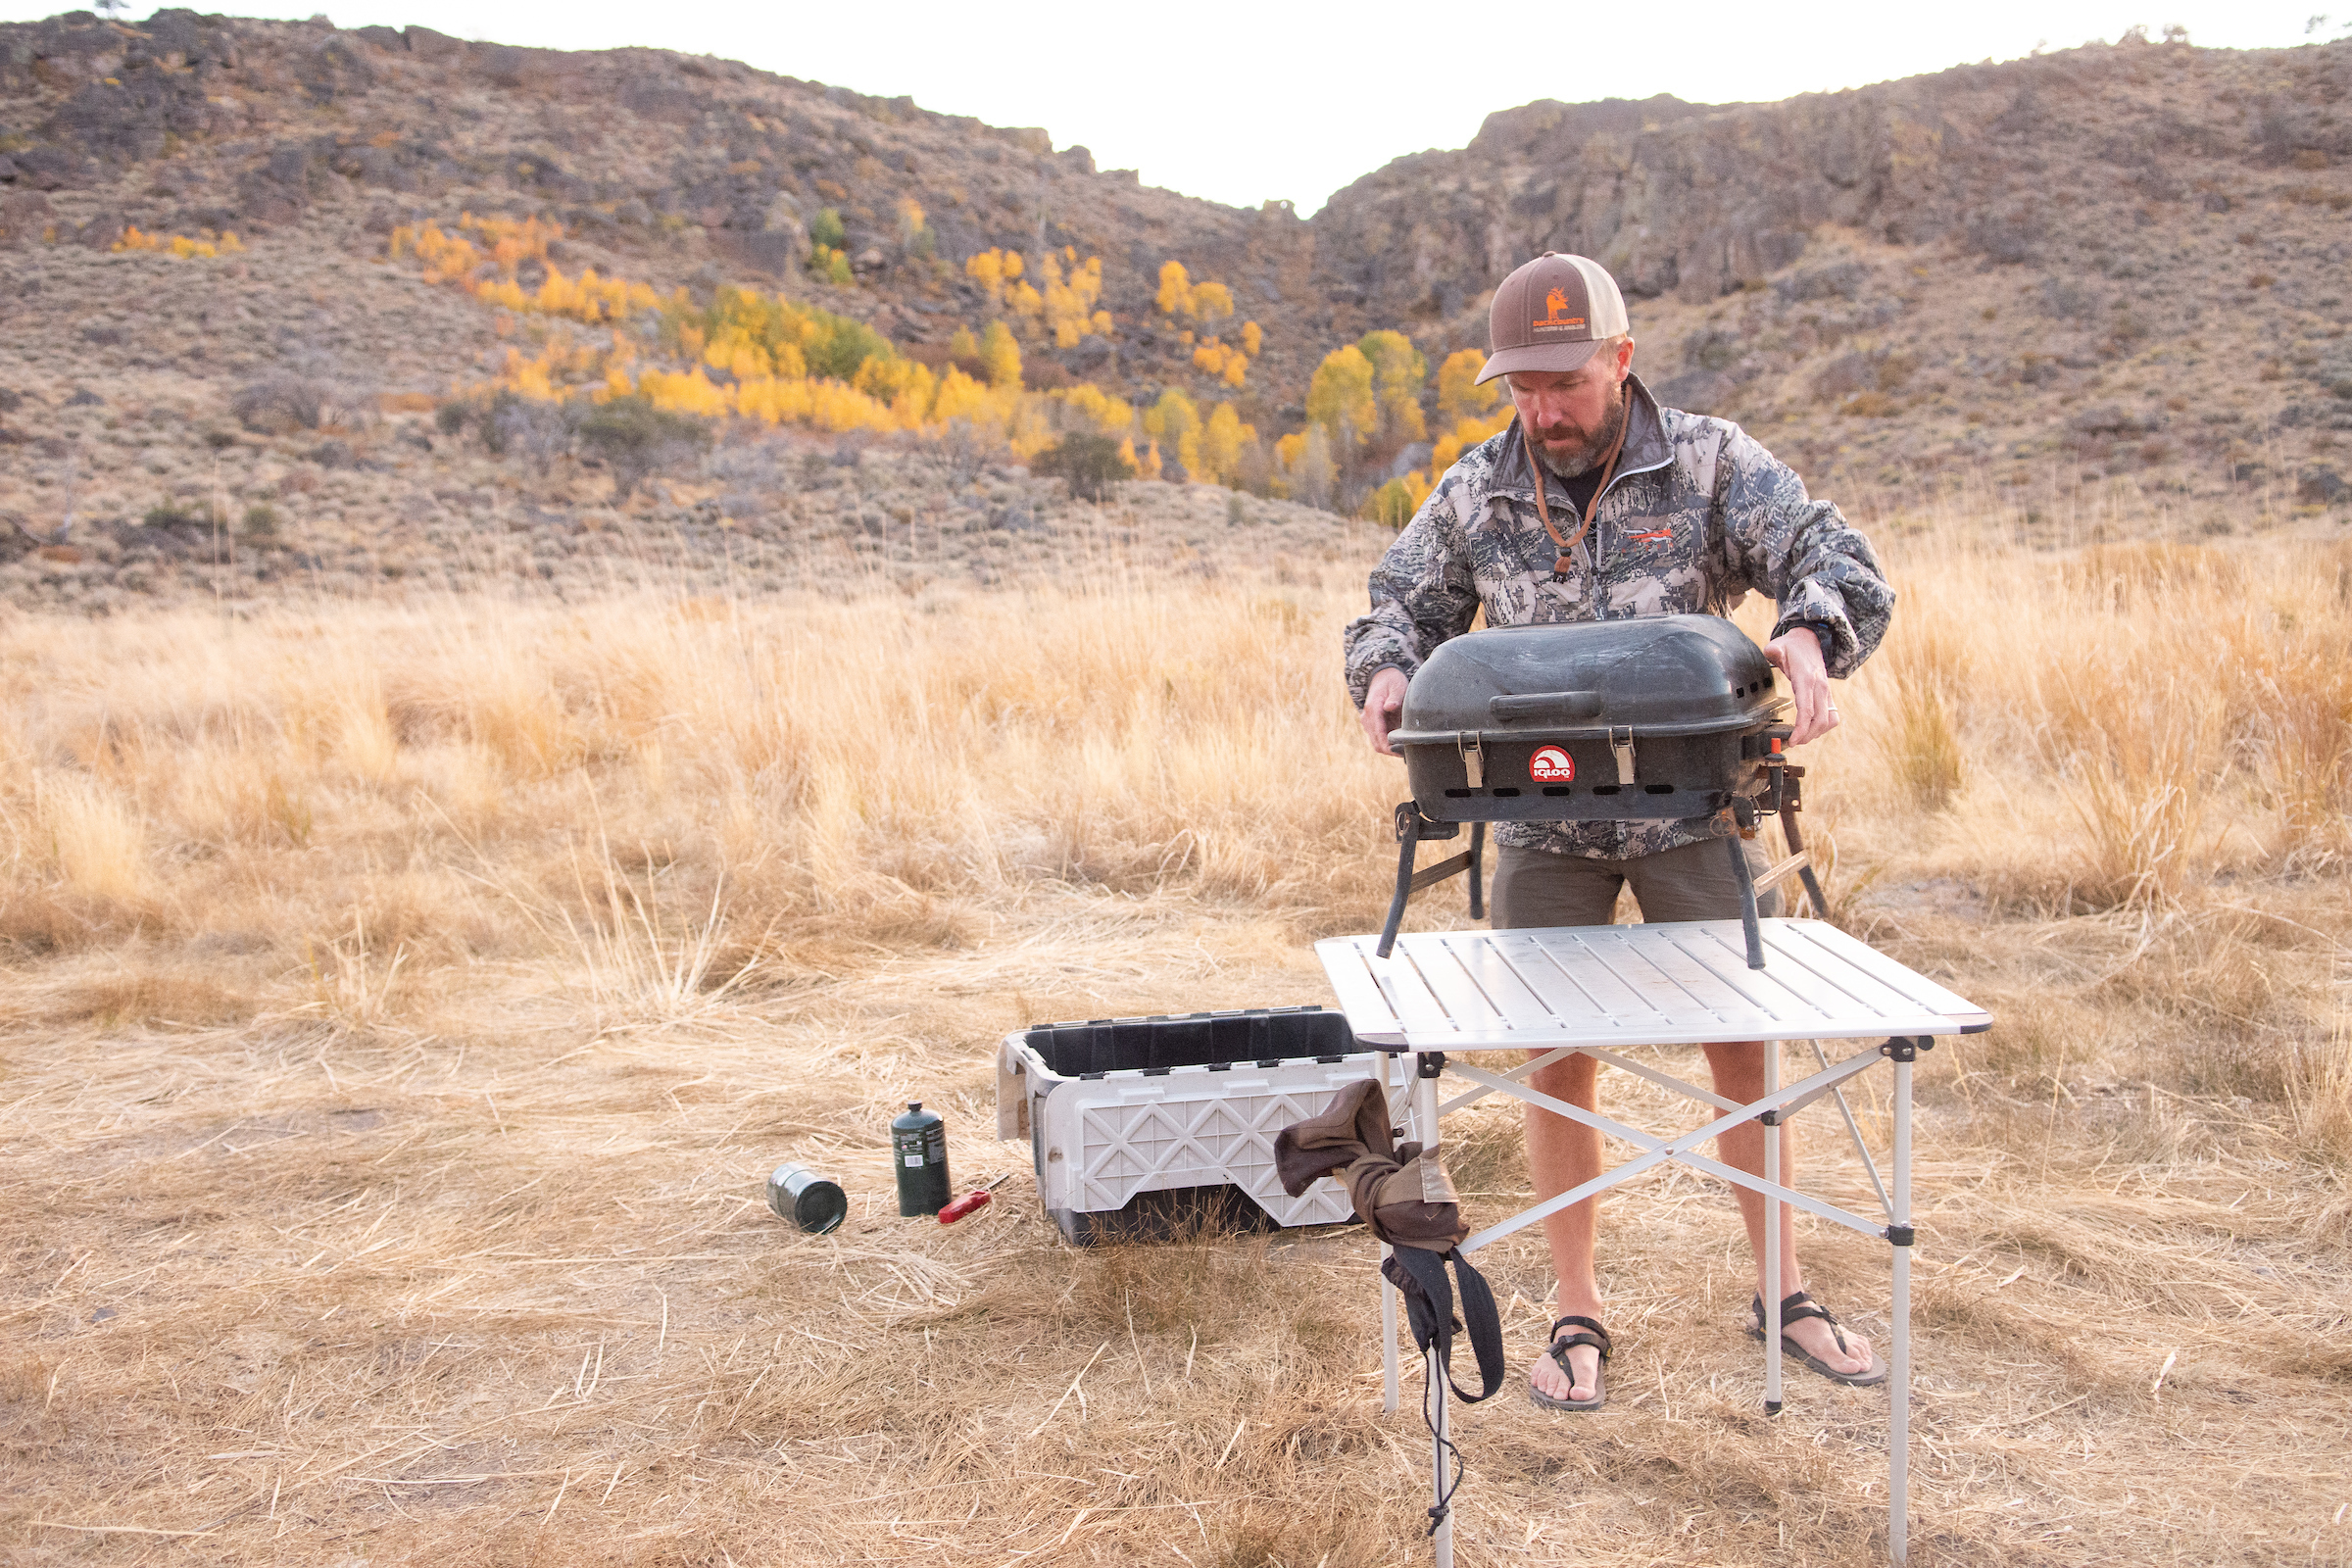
(810,1200)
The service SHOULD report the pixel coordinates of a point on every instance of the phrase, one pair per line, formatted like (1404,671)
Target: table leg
(1433,1398)
(1432,1374)
(1898,1415)
(1388,1336)
(1380,1278)
(1771,1294)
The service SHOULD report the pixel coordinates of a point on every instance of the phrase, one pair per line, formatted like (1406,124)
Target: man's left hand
(1796,653)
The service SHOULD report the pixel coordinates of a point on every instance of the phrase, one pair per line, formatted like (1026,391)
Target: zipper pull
(1624,748)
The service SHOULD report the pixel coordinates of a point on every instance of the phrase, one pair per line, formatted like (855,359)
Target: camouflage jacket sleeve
(1422,593)
(1802,551)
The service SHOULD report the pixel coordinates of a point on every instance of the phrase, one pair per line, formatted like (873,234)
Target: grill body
(1656,716)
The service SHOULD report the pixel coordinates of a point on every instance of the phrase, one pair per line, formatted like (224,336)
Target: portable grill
(1658,716)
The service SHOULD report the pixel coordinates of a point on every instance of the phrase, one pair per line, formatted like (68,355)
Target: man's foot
(1814,1336)
(1568,1375)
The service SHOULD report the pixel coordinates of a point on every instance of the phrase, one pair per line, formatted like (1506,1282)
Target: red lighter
(972,1202)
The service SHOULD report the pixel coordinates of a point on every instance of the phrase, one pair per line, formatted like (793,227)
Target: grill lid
(1658,675)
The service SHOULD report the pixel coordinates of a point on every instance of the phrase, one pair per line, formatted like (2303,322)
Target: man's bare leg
(1562,1154)
(1738,1069)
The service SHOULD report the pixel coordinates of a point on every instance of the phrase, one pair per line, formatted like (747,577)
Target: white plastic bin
(1138,1125)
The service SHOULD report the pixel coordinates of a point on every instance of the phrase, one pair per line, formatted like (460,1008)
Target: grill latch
(1474,762)
(1622,745)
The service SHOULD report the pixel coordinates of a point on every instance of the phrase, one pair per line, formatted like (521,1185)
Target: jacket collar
(1645,448)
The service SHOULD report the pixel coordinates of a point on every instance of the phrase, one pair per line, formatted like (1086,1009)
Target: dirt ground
(387,1084)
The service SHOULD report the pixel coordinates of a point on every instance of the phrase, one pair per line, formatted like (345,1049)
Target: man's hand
(1384,706)
(1796,653)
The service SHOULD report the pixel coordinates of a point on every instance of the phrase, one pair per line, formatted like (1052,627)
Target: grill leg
(1747,876)
(1408,839)
(1796,844)
(1478,857)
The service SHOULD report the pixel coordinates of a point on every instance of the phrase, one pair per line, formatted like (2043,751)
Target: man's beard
(1567,451)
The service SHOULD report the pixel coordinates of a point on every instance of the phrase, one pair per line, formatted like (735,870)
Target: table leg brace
(1656,1150)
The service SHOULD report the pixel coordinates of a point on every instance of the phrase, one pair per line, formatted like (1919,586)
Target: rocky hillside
(2117,262)
(2122,260)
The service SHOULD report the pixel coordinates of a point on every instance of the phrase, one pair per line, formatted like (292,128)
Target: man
(1643,511)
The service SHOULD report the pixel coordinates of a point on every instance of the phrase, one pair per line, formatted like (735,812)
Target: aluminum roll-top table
(1600,990)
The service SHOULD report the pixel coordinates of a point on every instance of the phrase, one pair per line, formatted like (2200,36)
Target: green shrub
(1392,503)
(637,439)
(827,230)
(175,513)
(1091,464)
(832,266)
(261,520)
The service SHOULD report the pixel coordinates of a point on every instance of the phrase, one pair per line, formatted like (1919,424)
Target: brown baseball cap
(1552,315)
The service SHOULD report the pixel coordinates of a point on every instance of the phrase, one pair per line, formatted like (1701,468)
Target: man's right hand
(1384,706)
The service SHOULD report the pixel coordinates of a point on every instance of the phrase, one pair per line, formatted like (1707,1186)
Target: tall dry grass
(404,1003)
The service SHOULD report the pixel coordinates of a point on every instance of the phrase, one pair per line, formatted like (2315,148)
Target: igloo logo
(1550,766)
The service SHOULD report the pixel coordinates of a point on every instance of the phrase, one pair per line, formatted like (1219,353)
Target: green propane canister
(918,1150)
(799,1194)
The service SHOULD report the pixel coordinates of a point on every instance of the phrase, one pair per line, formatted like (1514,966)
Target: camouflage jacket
(1698,514)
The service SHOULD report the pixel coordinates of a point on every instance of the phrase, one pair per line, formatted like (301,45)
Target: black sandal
(1795,1308)
(1588,1332)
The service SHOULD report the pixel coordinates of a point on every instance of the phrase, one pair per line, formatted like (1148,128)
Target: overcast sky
(1247,102)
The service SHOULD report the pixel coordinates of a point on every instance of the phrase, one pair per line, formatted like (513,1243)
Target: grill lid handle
(1554,706)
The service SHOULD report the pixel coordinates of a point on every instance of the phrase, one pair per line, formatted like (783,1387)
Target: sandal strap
(1795,1307)
(1598,1337)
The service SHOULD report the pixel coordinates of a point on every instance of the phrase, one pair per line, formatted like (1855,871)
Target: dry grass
(404,1006)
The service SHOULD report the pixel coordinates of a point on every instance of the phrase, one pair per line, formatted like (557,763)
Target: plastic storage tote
(1138,1125)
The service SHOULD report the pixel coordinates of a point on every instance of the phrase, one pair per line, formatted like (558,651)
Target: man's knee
(1735,1062)
(1570,1079)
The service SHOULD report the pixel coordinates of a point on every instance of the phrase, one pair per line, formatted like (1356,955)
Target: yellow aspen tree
(1252,338)
(1001,356)
(1212,303)
(1188,453)
(1315,474)
(1070,300)
(1170,417)
(1340,399)
(1465,435)
(1395,502)
(963,346)
(1398,371)
(1459,396)
(1175,289)
(993,270)
(1221,442)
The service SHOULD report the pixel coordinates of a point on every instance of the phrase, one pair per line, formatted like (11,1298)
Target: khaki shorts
(1545,888)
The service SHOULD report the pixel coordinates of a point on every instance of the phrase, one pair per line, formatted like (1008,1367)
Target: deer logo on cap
(1555,303)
